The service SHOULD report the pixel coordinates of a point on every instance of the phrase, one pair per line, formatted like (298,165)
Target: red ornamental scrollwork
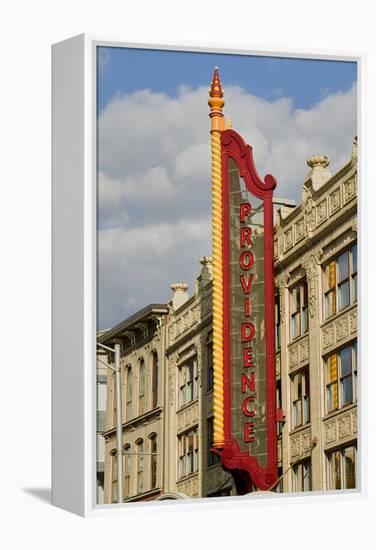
(245,468)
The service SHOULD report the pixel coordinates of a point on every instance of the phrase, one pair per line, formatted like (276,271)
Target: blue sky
(154,203)
(305,81)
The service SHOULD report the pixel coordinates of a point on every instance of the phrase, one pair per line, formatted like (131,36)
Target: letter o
(246,260)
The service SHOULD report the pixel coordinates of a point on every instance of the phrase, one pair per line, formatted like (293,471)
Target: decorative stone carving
(335,201)
(310,263)
(289,239)
(189,487)
(349,189)
(353,322)
(295,447)
(321,212)
(354,423)
(344,429)
(187,417)
(299,230)
(341,329)
(172,383)
(306,442)
(294,356)
(330,432)
(304,350)
(282,284)
(309,214)
(328,336)
(278,364)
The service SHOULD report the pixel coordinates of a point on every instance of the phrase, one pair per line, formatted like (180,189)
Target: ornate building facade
(315,252)
(167,366)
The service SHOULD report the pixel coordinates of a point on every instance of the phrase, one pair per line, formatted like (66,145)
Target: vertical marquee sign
(249,447)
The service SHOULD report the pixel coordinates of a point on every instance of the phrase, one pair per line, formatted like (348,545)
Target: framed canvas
(206,298)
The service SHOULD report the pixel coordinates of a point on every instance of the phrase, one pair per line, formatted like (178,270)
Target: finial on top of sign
(216,86)
(216,102)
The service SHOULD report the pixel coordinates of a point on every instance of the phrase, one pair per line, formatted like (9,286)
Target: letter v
(246,284)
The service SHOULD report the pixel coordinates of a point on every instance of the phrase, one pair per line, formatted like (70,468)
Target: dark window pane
(347,390)
(343,266)
(349,458)
(344,294)
(345,355)
(355,287)
(354,252)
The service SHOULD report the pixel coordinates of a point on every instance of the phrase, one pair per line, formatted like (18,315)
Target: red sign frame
(246,470)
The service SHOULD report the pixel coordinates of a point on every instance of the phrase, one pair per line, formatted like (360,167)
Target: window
(154,381)
(341,468)
(140,466)
(279,487)
(153,461)
(128,392)
(298,310)
(127,470)
(225,492)
(211,458)
(114,469)
(114,404)
(277,321)
(279,404)
(188,382)
(301,477)
(340,378)
(188,453)
(300,398)
(210,370)
(141,387)
(340,282)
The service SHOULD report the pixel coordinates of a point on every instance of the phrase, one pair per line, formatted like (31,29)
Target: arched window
(142,387)
(127,470)
(154,381)
(128,392)
(140,465)
(114,475)
(153,460)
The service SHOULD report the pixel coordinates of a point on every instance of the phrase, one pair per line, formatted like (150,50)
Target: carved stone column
(311,264)
(281,284)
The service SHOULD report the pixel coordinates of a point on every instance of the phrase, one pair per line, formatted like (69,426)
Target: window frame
(333,285)
(114,475)
(299,477)
(340,453)
(337,382)
(153,465)
(140,466)
(142,389)
(301,310)
(209,367)
(128,392)
(304,399)
(211,458)
(188,457)
(187,383)
(127,467)
(154,379)
(277,312)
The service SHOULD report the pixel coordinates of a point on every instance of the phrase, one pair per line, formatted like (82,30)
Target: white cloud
(154,179)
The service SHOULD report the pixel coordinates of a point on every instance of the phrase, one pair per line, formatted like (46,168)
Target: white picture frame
(74,172)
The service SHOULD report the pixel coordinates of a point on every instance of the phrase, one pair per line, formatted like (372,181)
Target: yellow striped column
(216,103)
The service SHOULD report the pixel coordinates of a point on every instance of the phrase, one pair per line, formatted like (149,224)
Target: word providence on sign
(248,331)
